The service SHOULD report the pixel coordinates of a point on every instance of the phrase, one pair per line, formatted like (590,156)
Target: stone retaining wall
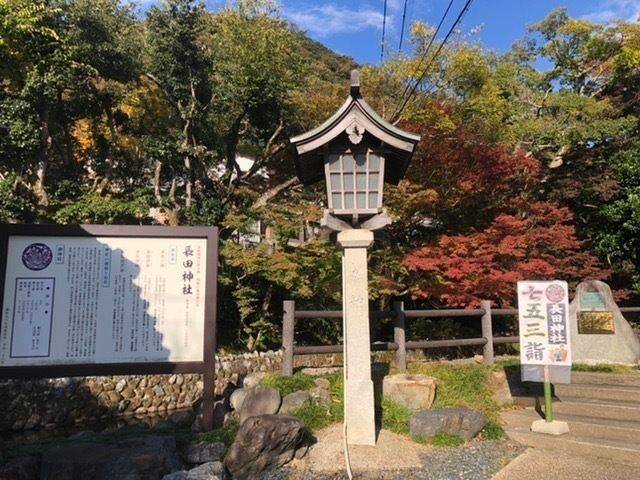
(65,402)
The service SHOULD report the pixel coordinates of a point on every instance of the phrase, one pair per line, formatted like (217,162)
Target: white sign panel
(83,300)
(543,310)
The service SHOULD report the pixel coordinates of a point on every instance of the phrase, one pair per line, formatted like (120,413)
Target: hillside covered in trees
(181,117)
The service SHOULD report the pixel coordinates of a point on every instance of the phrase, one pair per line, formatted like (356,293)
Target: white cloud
(329,19)
(612,10)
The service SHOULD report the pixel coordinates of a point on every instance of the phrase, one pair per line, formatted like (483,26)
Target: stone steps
(617,379)
(588,407)
(602,410)
(623,393)
(582,426)
(619,451)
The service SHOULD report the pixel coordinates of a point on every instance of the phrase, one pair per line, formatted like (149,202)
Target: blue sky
(354,27)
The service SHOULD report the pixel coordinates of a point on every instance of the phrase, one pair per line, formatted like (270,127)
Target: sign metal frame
(205,367)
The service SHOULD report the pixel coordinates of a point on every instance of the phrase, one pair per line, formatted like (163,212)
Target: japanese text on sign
(543,316)
(75,300)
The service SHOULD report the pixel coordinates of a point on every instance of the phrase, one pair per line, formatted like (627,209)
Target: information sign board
(543,310)
(100,300)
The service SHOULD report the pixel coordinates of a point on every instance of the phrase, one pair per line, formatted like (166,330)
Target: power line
(404,16)
(426,51)
(384,25)
(435,55)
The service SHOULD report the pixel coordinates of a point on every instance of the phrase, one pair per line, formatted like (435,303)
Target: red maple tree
(537,243)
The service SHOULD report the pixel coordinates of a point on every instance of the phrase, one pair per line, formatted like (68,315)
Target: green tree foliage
(181,116)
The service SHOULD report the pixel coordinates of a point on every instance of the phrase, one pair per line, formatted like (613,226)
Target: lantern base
(336,224)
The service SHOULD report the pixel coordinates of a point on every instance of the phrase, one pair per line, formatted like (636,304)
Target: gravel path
(474,461)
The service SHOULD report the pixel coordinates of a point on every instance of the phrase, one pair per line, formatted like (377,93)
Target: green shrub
(492,431)
(287,385)
(395,417)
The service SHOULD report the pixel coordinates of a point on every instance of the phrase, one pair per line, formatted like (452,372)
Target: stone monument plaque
(595,323)
(599,332)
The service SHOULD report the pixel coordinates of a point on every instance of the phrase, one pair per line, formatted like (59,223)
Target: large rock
(320,395)
(415,392)
(294,401)
(147,457)
(590,343)
(253,379)
(500,390)
(465,423)
(207,471)
(237,397)
(203,452)
(260,401)
(263,443)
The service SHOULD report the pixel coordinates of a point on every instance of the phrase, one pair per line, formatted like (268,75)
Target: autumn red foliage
(538,244)
(473,180)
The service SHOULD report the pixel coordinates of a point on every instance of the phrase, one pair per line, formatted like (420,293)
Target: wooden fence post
(399,336)
(487,332)
(288,325)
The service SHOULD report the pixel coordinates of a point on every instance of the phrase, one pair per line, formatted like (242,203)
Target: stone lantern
(356,152)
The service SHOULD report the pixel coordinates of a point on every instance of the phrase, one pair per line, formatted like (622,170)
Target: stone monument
(599,332)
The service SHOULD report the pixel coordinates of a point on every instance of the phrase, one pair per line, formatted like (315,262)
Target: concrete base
(550,428)
(361,428)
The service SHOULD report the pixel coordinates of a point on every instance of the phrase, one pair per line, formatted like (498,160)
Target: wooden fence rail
(400,345)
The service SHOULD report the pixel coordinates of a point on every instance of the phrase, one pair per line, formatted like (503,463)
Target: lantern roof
(346,128)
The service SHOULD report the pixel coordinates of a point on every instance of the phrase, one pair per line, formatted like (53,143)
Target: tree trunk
(43,160)
(187,163)
(108,174)
(157,171)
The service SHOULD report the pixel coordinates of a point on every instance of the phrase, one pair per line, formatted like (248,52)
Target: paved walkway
(538,464)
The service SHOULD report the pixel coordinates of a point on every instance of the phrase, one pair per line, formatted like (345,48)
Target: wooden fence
(400,344)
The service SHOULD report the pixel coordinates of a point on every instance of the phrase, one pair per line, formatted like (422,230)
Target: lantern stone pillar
(359,401)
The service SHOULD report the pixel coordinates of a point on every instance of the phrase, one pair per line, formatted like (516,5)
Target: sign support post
(548,401)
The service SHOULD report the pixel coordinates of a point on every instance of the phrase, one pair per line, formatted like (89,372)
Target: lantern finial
(355,83)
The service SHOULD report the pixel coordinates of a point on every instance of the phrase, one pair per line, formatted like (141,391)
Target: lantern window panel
(355,182)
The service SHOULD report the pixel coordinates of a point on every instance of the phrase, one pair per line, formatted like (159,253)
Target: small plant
(287,385)
(395,417)
(492,431)
(603,368)
(226,434)
(315,416)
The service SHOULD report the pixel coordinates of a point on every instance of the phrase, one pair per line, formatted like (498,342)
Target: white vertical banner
(543,313)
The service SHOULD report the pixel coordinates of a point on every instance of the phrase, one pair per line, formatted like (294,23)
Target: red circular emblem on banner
(555,293)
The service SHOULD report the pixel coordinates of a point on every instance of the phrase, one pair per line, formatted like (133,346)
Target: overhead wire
(434,56)
(384,28)
(426,51)
(404,17)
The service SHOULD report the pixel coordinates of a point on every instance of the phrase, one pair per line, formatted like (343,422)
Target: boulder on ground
(465,423)
(263,443)
(237,397)
(320,395)
(203,452)
(322,382)
(253,379)
(501,392)
(146,457)
(293,402)
(206,471)
(260,401)
(415,392)
(21,468)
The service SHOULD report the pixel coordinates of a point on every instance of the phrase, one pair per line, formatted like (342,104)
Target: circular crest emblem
(37,256)
(555,293)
